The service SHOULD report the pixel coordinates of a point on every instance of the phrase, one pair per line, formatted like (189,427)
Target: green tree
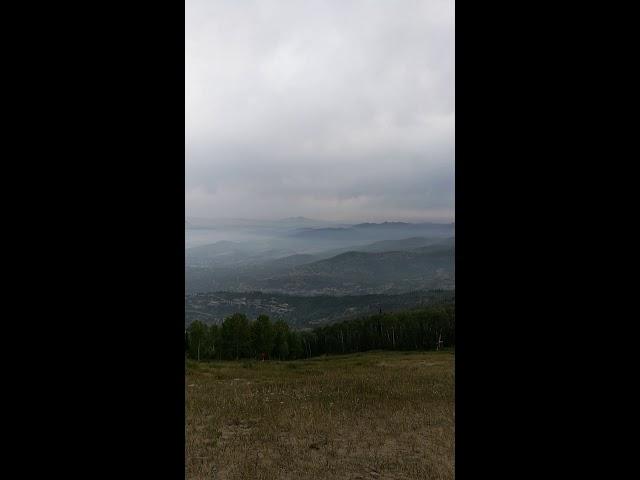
(197,332)
(235,336)
(262,335)
(281,340)
(295,345)
(212,342)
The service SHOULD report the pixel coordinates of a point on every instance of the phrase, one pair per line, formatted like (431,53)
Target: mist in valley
(307,257)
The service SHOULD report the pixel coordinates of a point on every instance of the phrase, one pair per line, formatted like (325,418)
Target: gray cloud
(336,109)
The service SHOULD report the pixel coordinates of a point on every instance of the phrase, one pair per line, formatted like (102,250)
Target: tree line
(238,337)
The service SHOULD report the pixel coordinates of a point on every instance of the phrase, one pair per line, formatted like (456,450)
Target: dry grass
(379,415)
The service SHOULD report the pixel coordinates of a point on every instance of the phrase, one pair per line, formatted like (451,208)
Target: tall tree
(262,336)
(213,342)
(197,332)
(281,340)
(236,340)
(295,345)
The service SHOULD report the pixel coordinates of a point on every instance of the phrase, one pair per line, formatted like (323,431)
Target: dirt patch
(329,421)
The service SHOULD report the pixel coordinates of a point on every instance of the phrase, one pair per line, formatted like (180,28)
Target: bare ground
(381,415)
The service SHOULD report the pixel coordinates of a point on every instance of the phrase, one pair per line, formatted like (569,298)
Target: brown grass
(379,415)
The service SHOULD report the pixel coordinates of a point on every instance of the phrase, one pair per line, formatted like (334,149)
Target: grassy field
(377,415)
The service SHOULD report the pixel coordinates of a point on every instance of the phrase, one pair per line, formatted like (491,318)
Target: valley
(367,259)
(304,312)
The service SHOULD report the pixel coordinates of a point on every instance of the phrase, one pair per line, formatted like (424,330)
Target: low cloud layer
(330,109)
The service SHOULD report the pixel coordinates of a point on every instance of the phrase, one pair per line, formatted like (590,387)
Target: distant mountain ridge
(295,255)
(205,223)
(376,231)
(226,252)
(352,272)
(201,222)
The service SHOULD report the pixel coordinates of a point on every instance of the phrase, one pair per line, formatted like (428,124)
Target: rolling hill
(352,272)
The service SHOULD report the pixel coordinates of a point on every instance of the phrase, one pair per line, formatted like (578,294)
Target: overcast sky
(330,109)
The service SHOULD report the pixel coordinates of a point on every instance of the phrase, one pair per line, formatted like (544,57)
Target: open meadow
(374,415)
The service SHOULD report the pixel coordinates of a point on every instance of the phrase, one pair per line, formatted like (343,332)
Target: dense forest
(238,337)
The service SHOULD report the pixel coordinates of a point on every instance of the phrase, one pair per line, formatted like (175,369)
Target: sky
(334,109)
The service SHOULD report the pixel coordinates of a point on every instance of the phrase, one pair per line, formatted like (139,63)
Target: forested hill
(350,273)
(369,272)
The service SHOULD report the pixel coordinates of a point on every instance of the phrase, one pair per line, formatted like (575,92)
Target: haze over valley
(226,260)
